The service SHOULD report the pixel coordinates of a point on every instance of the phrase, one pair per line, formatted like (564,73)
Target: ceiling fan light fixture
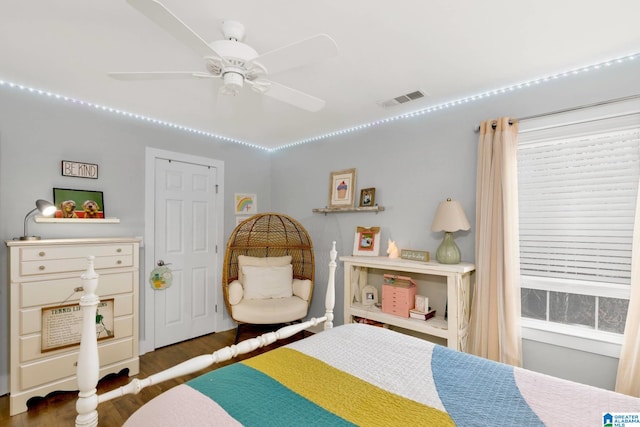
(233,83)
(233,61)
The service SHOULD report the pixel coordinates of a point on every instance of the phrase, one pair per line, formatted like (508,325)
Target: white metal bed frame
(88,370)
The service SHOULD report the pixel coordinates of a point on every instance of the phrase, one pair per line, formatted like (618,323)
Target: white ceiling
(448,49)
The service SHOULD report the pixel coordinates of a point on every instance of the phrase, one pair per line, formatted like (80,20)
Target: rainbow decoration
(244,204)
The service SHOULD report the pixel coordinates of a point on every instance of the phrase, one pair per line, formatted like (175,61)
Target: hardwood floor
(58,409)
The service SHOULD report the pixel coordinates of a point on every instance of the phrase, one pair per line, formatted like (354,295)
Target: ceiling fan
(234,62)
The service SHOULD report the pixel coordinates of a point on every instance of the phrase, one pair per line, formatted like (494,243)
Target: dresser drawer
(397,311)
(62,291)
(50,266)
(55,368)
(31,318)
(72,251)
(30,346)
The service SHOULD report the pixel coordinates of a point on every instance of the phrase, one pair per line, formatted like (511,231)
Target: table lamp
(45,208)
(449,218)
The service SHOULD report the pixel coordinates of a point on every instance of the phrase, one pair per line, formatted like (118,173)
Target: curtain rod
(567,110)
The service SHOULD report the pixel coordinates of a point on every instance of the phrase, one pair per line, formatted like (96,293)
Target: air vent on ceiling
(412,96)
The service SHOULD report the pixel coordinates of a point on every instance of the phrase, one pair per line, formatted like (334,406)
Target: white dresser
(45,288)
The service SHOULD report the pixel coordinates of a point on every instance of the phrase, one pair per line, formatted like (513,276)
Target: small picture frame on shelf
(367,197)
(422,303)
(82,204)
(369,296)
(342,187)
(367,241)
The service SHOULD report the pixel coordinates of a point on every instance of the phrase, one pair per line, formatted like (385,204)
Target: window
(578,187)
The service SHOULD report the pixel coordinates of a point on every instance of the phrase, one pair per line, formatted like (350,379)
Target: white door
(185,236)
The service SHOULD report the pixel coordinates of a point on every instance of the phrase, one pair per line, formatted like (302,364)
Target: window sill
(603,343)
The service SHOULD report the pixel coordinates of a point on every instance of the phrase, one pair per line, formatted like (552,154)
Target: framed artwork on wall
(78,203)
(367,197)
(246,204)
(79,169)
(367,241)
(342,186)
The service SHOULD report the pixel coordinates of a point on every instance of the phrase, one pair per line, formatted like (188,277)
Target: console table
(360,271)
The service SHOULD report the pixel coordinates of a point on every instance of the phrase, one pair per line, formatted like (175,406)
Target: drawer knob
(41,268)
(42,253)
(119,261)
(119,250)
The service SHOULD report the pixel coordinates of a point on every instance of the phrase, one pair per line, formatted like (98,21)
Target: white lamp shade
(450,217)
(46,208)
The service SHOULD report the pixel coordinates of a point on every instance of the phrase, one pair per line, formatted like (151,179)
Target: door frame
(147,307)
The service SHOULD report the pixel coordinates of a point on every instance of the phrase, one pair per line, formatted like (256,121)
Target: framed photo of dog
(78,203)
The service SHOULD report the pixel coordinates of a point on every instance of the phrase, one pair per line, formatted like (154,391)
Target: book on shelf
(417,314)
(357,319)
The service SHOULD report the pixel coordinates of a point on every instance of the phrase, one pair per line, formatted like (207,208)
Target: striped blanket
(362,375)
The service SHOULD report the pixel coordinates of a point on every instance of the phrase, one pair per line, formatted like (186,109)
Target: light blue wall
(413,163)
(416,163)
(37,132)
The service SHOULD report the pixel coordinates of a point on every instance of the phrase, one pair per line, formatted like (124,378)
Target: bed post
(330,297)
(88,367)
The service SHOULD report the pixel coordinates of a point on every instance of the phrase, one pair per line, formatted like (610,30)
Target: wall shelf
(79,220)
(349,209)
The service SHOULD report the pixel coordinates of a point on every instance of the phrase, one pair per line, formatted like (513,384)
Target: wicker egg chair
(268,235)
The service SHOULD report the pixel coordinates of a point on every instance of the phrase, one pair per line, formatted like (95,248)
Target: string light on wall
(474,97)
(423,111)
(128,114)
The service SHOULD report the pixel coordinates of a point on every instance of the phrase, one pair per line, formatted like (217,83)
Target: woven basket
(268,235)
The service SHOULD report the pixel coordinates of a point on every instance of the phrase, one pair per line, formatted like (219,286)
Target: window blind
(577,200)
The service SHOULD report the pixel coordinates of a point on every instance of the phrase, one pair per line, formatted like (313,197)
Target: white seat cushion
(269,311)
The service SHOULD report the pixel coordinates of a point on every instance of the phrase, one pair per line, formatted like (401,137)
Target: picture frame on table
(80,204)
(369,296)
(366,241)
(342,186)
(367,197)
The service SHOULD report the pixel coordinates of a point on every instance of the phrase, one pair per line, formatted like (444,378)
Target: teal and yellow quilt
(362,375)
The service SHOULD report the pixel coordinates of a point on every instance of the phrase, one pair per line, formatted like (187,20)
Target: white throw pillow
(271,261)
(302,288)
(267,282)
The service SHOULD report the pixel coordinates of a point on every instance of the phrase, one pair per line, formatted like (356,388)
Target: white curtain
(628,379)
(495,313)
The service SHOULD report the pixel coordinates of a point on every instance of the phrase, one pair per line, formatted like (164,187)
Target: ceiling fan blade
(163,17)
(289,95)
(160,75)
(300,53)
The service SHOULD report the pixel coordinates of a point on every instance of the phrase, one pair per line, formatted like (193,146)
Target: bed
(355,374)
